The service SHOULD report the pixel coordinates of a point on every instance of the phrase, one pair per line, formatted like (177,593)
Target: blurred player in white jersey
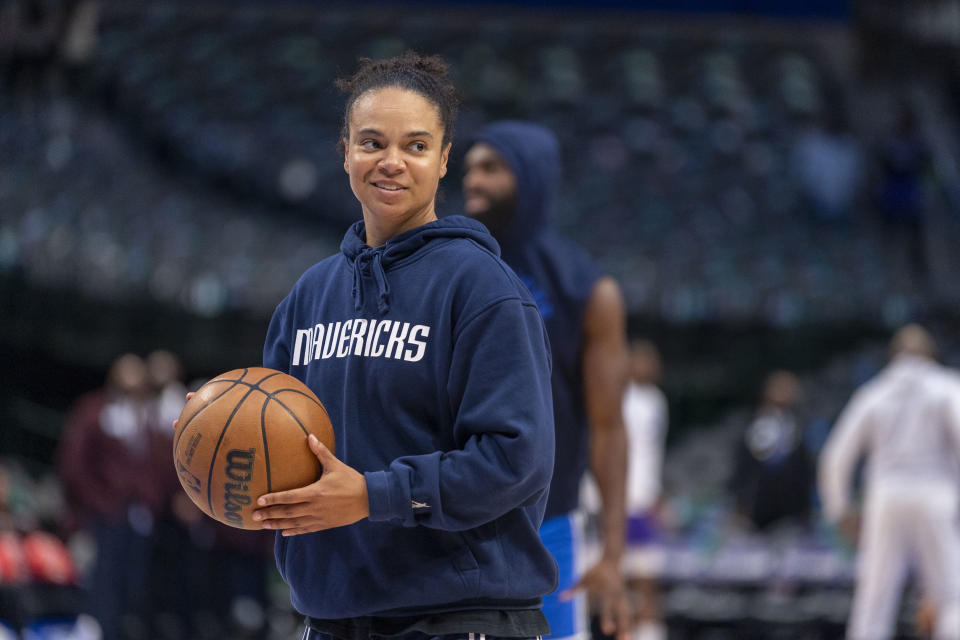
(645,418)
(906,422)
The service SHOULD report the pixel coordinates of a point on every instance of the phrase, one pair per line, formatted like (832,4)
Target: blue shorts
(563,537)
(642,529)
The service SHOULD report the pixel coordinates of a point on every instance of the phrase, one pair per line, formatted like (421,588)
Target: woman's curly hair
(425,75)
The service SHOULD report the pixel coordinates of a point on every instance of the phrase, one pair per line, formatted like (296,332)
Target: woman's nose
(391,161)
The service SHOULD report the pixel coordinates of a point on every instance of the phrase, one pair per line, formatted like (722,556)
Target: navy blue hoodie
(434,365)
(561,277)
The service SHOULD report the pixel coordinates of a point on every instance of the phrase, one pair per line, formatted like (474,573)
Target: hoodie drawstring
(383,287)
(375,260)
(357,286)
(363,257)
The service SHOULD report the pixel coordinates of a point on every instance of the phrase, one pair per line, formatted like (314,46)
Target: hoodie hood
(377,261)
(533,154)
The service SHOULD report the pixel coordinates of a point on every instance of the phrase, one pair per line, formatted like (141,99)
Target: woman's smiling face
(395,158)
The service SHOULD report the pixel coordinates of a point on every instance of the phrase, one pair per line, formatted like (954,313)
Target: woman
(433,363)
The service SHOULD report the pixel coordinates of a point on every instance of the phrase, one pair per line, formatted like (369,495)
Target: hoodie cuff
(385,496)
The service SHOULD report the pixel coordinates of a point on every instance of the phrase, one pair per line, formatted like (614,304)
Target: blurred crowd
(725,530)
(725,177)
(131,555)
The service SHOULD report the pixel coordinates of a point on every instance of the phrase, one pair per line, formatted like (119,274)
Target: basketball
(244,434)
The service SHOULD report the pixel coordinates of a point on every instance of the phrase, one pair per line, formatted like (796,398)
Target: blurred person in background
(828,165)
(905,162)
(106,462)
(166,378)
(645,415)
(242,562)
(512,175)
(31,30)
(773,479)
(44,42)
(207,578)
(906,422)
(173,575)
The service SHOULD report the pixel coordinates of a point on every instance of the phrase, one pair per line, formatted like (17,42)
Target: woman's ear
(444,156)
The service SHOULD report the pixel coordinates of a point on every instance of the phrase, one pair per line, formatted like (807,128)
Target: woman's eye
(418,146)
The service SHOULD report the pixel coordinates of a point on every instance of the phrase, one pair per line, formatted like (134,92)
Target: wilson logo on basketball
(236,493)
(244,434)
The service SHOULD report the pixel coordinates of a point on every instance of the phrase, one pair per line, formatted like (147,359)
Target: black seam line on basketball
(263,425)
(208,403)
(263,436)
(256,385)
(308,397)
(223,432)
(287,409)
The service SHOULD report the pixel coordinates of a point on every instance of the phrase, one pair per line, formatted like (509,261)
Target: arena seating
(680,150)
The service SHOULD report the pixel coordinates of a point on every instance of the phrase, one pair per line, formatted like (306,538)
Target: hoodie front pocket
(464,561)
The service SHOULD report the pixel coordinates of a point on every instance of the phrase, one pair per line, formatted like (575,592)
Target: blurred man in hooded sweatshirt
(512,175)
